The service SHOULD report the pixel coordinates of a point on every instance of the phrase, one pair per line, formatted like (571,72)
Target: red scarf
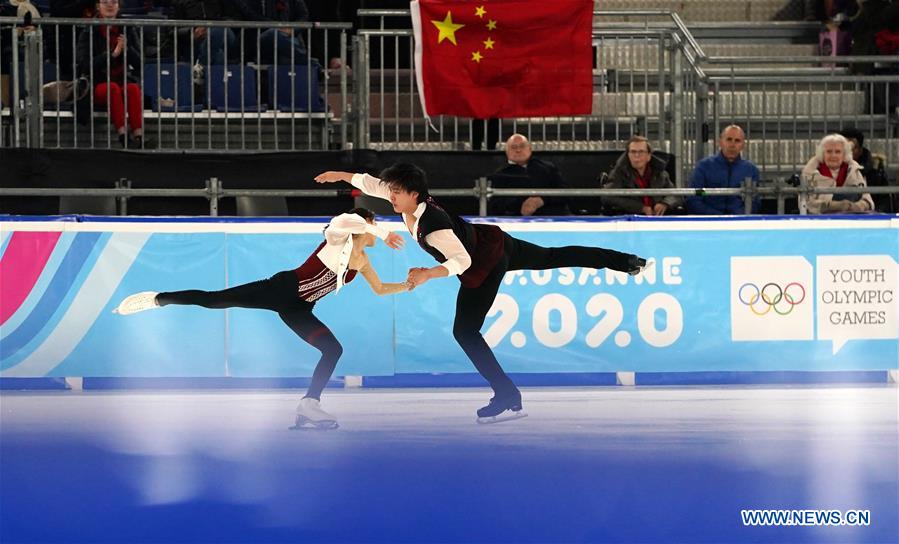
(643,183)
(111,33)
(841,177)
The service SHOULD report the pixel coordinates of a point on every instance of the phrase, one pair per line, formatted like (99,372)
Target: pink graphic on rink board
(21,265)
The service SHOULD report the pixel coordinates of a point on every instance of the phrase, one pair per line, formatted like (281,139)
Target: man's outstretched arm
(369,185)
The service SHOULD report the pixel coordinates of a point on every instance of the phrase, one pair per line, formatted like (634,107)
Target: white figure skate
(311,416)
(137,302)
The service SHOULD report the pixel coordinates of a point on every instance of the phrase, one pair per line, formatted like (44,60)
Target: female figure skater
(293,293)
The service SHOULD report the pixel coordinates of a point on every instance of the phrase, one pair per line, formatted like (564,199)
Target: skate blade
(502,417)
(647,268)
(303,423)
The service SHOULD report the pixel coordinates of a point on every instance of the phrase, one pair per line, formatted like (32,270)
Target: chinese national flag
(504,58)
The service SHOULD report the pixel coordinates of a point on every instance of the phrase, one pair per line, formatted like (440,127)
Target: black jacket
(94,49)
(537,174)
(623,176)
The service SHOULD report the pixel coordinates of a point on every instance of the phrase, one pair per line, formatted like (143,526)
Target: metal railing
(653,79)
(786,114)
(482,191)
(389,116)
(244,86)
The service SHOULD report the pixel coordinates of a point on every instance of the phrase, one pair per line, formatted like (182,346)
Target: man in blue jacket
(724,170)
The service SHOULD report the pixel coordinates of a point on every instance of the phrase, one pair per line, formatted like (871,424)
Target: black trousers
(277,294)
(472,304)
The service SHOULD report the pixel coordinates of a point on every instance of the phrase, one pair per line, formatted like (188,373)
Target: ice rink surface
(645,464)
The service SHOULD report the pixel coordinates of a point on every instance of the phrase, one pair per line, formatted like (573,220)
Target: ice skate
(311,416)
(638,265)
(504,408)
(137,302)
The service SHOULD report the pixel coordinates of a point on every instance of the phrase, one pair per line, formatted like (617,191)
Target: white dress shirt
(339,242)
(444,240)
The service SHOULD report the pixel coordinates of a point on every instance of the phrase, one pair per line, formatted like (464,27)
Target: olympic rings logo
(772,296)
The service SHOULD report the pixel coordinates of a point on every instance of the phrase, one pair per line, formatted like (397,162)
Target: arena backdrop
(741,294)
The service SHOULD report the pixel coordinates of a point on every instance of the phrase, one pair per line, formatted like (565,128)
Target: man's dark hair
(408,177)
(364,213)
(853,133)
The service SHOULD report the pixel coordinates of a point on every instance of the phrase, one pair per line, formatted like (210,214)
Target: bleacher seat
(170,87)
(233,88)
(295,88)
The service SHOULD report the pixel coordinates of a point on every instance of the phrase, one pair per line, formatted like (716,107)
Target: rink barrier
(462,380)
(578,326)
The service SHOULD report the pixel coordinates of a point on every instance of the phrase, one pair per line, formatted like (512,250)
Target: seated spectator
(333,11)
(727,169)
(61,50)
(526,172)
(288,42)
(115,87)
(872,167)
(833,166)
(209,44)
(637,168)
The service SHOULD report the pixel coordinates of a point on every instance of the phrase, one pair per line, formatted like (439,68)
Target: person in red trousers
(107,56)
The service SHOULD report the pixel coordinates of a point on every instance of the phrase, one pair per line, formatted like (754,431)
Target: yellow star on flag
(447,28)
(480,11)
(491,25)
(476,56)
(488,43)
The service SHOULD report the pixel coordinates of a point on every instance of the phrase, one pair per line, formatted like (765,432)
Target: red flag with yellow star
(504,58)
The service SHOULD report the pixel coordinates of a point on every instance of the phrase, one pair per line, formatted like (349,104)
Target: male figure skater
(480,255)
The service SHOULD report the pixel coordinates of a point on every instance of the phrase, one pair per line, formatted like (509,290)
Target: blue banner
(723,295)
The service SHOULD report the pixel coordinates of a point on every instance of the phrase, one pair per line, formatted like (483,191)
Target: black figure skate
(502,408)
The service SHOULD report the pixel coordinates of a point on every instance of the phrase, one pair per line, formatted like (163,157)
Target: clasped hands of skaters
(396,241)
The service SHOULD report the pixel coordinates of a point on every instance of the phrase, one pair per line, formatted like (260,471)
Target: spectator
(864,28)
(209,44)
(112,71)
(61,50)
(727,169)
(334,11)
(637,168)
(833,166)
(872,167)
(886,95)
(287,42)
(527,172)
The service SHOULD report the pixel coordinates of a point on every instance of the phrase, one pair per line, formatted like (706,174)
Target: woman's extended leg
(273,294)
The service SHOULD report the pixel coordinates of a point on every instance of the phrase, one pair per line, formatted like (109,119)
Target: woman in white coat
(833,166)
